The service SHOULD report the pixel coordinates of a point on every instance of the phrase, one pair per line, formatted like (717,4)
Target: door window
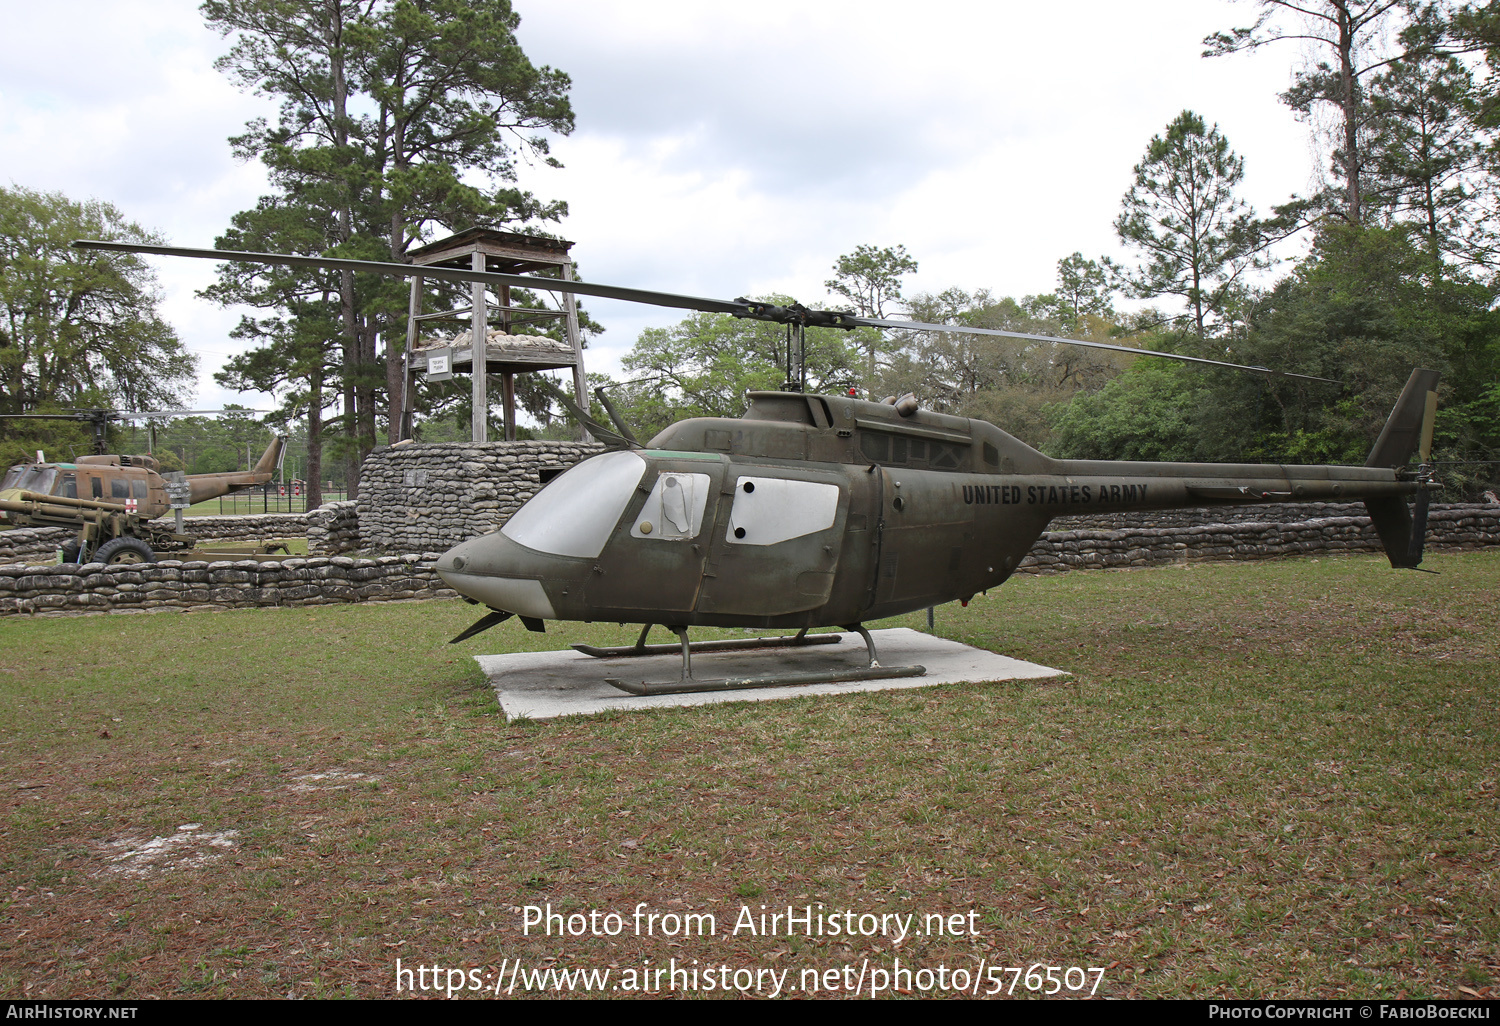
(768,510)
(674,509)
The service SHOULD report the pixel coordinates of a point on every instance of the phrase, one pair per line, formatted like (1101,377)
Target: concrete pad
(541,685)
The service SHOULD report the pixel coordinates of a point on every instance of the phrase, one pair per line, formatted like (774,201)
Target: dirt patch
(189,848)
(330,780)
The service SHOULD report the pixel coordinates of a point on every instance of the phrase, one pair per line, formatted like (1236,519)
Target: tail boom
(1101,486)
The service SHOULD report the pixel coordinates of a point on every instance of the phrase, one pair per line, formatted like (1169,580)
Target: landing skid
(640,648)
(689,684)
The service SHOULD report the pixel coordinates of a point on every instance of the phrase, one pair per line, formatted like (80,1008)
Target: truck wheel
(70,552)
(124,550)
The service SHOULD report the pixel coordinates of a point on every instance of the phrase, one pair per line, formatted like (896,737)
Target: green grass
(243,504)
(1268,779)
(294,546)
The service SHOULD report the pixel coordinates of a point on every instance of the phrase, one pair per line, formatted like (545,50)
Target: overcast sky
(721,150)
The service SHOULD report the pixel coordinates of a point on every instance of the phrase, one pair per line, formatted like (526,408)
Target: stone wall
(428,498)
(198,585)
(174,585)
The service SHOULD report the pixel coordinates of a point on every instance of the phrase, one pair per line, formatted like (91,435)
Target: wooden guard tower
(485,249)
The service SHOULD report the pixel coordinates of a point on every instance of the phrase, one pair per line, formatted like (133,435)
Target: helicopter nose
(496,571)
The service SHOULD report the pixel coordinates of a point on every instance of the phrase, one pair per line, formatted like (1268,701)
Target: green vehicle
(113,502)
(818,511)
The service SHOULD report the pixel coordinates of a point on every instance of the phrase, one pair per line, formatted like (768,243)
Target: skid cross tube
(688,684)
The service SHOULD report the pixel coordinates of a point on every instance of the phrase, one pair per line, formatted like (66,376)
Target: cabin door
(775,548)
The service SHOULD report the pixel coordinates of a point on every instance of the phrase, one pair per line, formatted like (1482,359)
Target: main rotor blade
(169,414)
(123,415)
(524,281)
(738,307)
(138,414)
(959,329)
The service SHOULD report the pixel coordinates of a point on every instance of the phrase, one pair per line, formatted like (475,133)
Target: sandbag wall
(196,585)
(425,498)
(1201,536)
(32,544)
(332,529)
(1230,534)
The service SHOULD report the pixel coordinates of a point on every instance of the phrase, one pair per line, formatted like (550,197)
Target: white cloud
(720,150)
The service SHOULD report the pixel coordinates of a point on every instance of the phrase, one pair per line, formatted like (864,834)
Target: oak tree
(81,327)
(704,365)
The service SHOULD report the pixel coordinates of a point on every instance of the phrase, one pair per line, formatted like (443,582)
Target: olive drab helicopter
(828,511)
(113,501)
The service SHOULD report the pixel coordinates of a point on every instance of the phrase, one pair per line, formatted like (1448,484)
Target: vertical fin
(1392,520)
(1408,430)
(271,458)
(1403,431)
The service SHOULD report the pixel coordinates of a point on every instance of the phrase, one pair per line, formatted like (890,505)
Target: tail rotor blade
(1429,418)
(1424,497)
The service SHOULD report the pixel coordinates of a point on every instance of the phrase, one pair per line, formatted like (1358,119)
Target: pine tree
(1347,33)
(1195,237)
(1424,149)
(390,112)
